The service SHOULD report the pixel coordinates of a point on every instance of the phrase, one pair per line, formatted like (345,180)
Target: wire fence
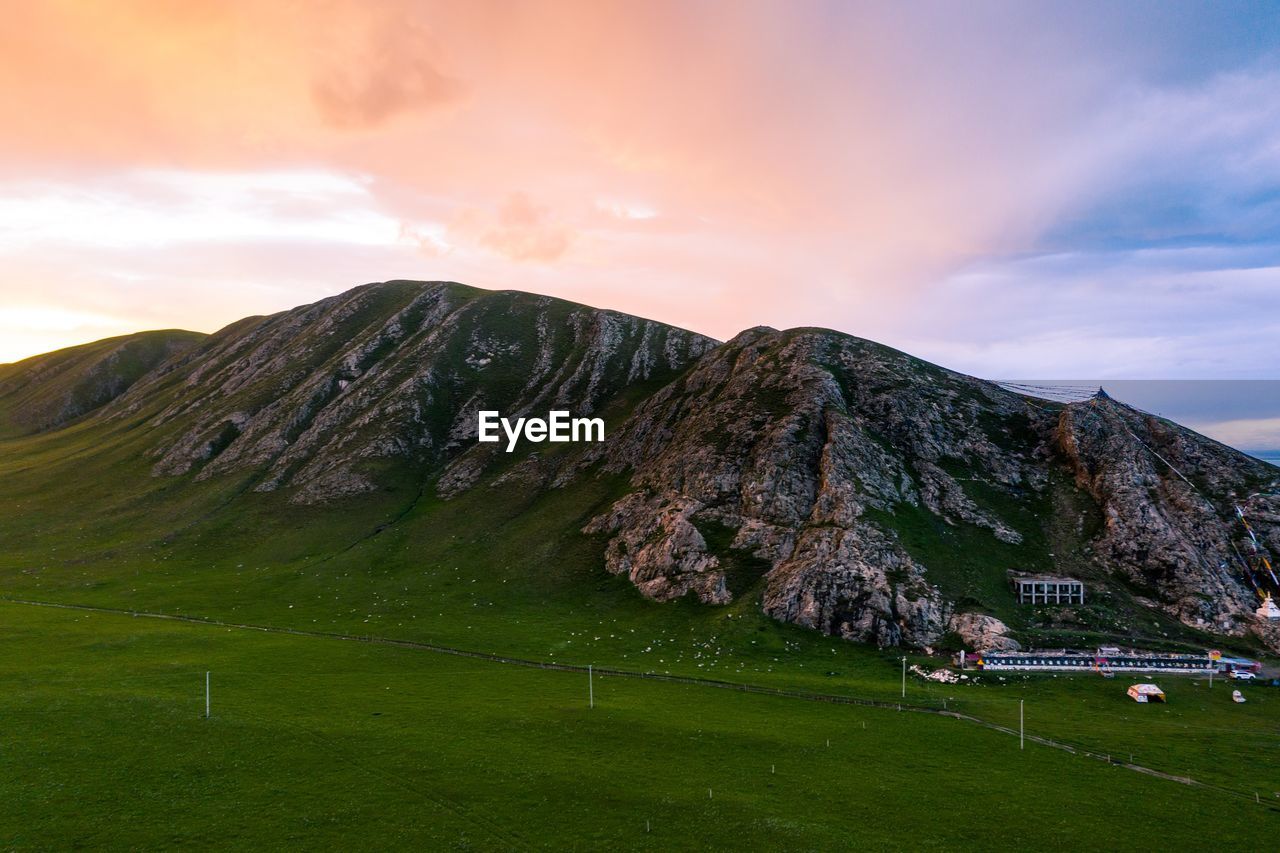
(938,708)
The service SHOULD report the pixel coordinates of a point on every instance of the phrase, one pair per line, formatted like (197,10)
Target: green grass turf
(324,743)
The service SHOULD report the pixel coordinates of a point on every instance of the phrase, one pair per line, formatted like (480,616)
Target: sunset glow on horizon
(1004,188)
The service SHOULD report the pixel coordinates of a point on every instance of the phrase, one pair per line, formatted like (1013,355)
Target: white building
(1043,589)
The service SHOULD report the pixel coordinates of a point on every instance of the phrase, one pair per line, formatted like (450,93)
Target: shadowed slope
(48,391)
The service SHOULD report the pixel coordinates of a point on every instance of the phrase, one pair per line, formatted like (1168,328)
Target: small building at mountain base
(1043,589)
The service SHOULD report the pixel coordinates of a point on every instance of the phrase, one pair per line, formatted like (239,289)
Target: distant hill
(835,483)
(48,391)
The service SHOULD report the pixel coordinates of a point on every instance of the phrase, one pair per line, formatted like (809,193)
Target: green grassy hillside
(47,391)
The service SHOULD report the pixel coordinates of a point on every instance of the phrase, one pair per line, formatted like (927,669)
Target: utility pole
(904,676)
(591,688)
(206,694)
(1022,728)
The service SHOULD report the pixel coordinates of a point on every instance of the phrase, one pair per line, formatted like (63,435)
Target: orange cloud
(519,230)
(712,165)
(393,72)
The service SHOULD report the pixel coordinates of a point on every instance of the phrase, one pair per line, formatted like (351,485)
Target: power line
(1060,393)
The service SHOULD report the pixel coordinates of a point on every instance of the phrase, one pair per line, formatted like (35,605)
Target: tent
(1146,693)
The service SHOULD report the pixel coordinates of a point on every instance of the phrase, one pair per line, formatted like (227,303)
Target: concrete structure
(1268,609)
(1043,589)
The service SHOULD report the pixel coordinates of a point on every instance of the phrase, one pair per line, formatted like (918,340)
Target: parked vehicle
(1243,675)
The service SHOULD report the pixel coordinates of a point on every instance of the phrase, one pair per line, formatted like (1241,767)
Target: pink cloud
(518,230)
(394,72)
(829,165)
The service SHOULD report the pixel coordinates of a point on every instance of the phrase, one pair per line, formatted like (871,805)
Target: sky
(1009,189)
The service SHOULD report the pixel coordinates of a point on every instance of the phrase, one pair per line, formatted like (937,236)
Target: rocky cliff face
(789,439)
(810,446)
(1168,496)
(308,399)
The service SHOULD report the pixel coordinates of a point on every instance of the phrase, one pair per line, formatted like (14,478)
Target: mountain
(313,399)
(885,497)
(48,391)
(832,482)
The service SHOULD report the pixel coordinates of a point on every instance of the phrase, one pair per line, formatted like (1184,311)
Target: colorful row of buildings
(1105,660)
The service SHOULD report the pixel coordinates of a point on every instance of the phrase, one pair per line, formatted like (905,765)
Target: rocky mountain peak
(1168,496)
(316,398)
(842,471)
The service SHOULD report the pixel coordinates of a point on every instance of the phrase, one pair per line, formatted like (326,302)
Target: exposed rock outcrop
(810,445)
(310,398)
(788,438)
(983,633)
(1164,532)
(663,554)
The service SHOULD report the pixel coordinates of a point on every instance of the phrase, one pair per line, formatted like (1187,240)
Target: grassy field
(327,743)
